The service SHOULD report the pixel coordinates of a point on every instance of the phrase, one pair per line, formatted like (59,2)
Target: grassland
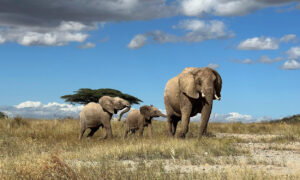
(50,149)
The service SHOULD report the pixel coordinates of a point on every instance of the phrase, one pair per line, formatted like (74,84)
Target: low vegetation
(50,149)
(292,119)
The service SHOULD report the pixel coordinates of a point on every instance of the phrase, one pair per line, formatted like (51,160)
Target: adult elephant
(189,93)
(95,115)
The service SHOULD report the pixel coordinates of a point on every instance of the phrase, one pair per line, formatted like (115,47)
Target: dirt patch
(271,158)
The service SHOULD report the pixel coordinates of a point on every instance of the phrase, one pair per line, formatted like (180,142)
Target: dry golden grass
(50,149)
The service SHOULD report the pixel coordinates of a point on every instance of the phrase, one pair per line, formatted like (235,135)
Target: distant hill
(291,119)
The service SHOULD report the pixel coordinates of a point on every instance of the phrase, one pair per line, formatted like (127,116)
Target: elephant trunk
(162,115)
(124,111)
(205,114)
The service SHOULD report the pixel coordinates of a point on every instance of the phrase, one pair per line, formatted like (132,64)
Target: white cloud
(28,104)
(50,39)
(266,43)
(2,40)
(294,53)
(289,38)
(259,43)
(35,109)
(225,7)
(246,61)
(71,26)
(291,65)
(232,117)
(87,45)
(200,30)
(138,41)
(196,31)
(267,60)
(61,35)
(213,66)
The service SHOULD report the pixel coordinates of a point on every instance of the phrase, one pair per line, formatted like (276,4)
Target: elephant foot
(171,134)
(208,134)
(180,135)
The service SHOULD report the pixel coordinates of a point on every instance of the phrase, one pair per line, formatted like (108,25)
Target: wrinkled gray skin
(138,119)
(95,115)
(190,93)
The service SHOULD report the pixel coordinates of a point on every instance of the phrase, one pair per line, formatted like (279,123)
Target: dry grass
(49,149)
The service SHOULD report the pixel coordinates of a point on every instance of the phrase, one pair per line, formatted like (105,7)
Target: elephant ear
(145,111)
(187,85)
(107,104)
(218,83)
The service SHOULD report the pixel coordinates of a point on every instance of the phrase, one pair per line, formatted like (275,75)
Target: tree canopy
(85,95)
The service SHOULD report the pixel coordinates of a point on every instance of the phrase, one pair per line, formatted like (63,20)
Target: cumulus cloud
(266,43)
(226,7)
(35,109)
(213,66)
(51,12)
(199,30)
(259,43)
(294,53)
(87,45)
(289,38)
(61,35)
(293,59)
(291,65)
(137,41)
(56,23)
(42,25)
(195,31)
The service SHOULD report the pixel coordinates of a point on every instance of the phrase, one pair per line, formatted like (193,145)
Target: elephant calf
(138,119)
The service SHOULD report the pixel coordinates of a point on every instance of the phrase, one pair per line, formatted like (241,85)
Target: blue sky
(255,48)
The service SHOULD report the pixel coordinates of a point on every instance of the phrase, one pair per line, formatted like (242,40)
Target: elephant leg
(174,126)
(82,130)
(184,125)
(108,131)
(126,132)
(186,107)
(150,130)
(169,123)
(93,130)
(205,115)
(141,131)
(205,129)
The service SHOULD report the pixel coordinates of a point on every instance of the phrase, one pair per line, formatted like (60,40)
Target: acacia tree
(85,95)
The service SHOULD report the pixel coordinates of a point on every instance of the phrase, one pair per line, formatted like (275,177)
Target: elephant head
(114,104)
(206,82)
(150,112)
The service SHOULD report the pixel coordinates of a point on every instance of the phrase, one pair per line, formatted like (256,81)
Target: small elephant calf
(138,119)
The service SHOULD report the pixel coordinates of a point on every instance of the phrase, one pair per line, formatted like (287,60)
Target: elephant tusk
(203,95)
(217,97)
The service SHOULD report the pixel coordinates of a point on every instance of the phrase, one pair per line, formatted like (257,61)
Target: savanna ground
(50,149)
